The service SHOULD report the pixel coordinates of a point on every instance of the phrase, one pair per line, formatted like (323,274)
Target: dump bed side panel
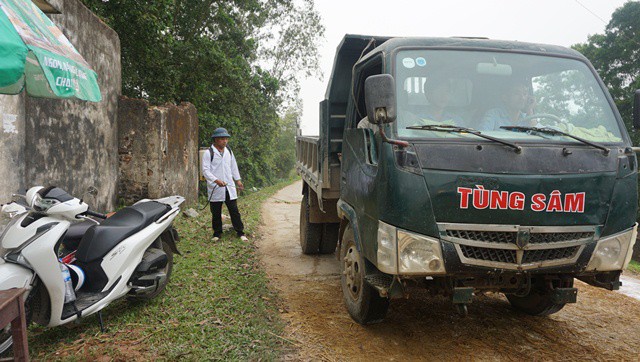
(308,161)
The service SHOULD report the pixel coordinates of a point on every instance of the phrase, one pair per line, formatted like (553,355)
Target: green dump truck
(467,165)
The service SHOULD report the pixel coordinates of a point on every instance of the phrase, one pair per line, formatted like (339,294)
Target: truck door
(359,170)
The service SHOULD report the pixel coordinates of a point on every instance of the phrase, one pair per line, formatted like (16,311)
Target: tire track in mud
(602,326)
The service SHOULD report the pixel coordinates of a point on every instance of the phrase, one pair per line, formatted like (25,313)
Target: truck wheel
(329,238)
(537,303)
(310,233)
(363,302)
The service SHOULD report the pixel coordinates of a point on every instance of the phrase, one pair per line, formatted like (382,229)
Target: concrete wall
(72,143)
(12,138)
(158,149)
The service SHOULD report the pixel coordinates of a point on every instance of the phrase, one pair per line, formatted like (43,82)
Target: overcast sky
(559,22)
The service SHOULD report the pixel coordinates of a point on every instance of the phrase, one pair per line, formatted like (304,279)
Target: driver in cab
(515,107)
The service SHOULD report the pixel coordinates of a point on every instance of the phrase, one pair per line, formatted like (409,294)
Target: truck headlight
(418,254)
(613,252)
(387,248)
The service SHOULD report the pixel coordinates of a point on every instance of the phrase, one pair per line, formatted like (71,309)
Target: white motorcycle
(73,269)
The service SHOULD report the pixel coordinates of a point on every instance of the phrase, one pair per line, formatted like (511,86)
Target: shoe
(244,238)
(215,238)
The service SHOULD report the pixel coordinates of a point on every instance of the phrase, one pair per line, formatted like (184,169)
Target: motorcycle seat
(75,233)
(100,239)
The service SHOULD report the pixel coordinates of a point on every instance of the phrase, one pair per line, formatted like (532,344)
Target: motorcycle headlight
(613,252)
(387,248)
(418,254)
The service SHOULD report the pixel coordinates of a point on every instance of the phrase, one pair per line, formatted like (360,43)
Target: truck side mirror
(636,110)
(380,98)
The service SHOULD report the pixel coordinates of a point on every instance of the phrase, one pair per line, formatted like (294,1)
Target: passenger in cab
(438,92)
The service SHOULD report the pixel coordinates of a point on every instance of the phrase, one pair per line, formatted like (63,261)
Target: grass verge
(217,305)
(634,267)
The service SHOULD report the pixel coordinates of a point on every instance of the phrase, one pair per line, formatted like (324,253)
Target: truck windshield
(490,91)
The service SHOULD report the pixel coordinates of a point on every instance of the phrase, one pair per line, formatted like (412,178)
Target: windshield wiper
(458,129)
(552,132)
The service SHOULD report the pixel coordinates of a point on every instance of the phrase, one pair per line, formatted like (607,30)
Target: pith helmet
(220,132)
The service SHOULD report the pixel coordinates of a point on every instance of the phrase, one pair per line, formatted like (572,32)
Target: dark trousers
(216,216)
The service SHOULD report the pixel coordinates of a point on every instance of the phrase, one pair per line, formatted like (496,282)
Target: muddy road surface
(601,326)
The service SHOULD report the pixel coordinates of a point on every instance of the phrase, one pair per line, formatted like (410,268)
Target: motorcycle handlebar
(96,214)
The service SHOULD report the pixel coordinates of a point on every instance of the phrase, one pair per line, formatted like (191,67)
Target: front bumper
(569,249)
(481,248)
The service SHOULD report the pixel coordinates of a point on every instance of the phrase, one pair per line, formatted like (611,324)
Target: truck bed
(318,172)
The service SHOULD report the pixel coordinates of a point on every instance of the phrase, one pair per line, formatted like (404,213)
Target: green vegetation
(616,55)
(237,61)
(634,266)
(216,306)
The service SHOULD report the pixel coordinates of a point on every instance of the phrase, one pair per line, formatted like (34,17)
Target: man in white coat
(220,169)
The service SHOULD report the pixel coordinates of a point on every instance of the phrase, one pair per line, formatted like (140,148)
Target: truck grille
(517,247)
(535,256)
(509,256)
(510,237)
(496,255)
(537,238)
(486,236)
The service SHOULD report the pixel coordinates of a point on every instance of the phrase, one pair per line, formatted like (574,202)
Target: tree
(616,56)
(292,37)
(285,154)
(237,61)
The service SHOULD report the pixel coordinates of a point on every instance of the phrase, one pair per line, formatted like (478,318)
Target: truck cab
(465,165)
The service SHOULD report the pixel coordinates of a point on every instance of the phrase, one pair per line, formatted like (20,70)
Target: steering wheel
(541,116)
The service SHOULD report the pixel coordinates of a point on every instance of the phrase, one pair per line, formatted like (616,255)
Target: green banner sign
(35,54)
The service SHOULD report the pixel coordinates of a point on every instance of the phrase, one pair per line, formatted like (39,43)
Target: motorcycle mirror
(15,197)
(92,190)
(13,209)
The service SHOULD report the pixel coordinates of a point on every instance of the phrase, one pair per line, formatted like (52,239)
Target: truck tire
(364,303)
(310,233)
(329,241)
(537,303)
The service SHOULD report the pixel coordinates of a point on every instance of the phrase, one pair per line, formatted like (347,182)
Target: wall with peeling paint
(72,143)
(158,149)
(12,146)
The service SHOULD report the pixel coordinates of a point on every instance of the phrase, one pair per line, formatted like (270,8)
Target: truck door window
(358,107)
(357,104)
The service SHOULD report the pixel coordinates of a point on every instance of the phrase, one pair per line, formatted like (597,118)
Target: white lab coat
(222,167)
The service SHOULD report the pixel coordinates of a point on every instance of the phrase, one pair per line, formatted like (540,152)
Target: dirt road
(601,326)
